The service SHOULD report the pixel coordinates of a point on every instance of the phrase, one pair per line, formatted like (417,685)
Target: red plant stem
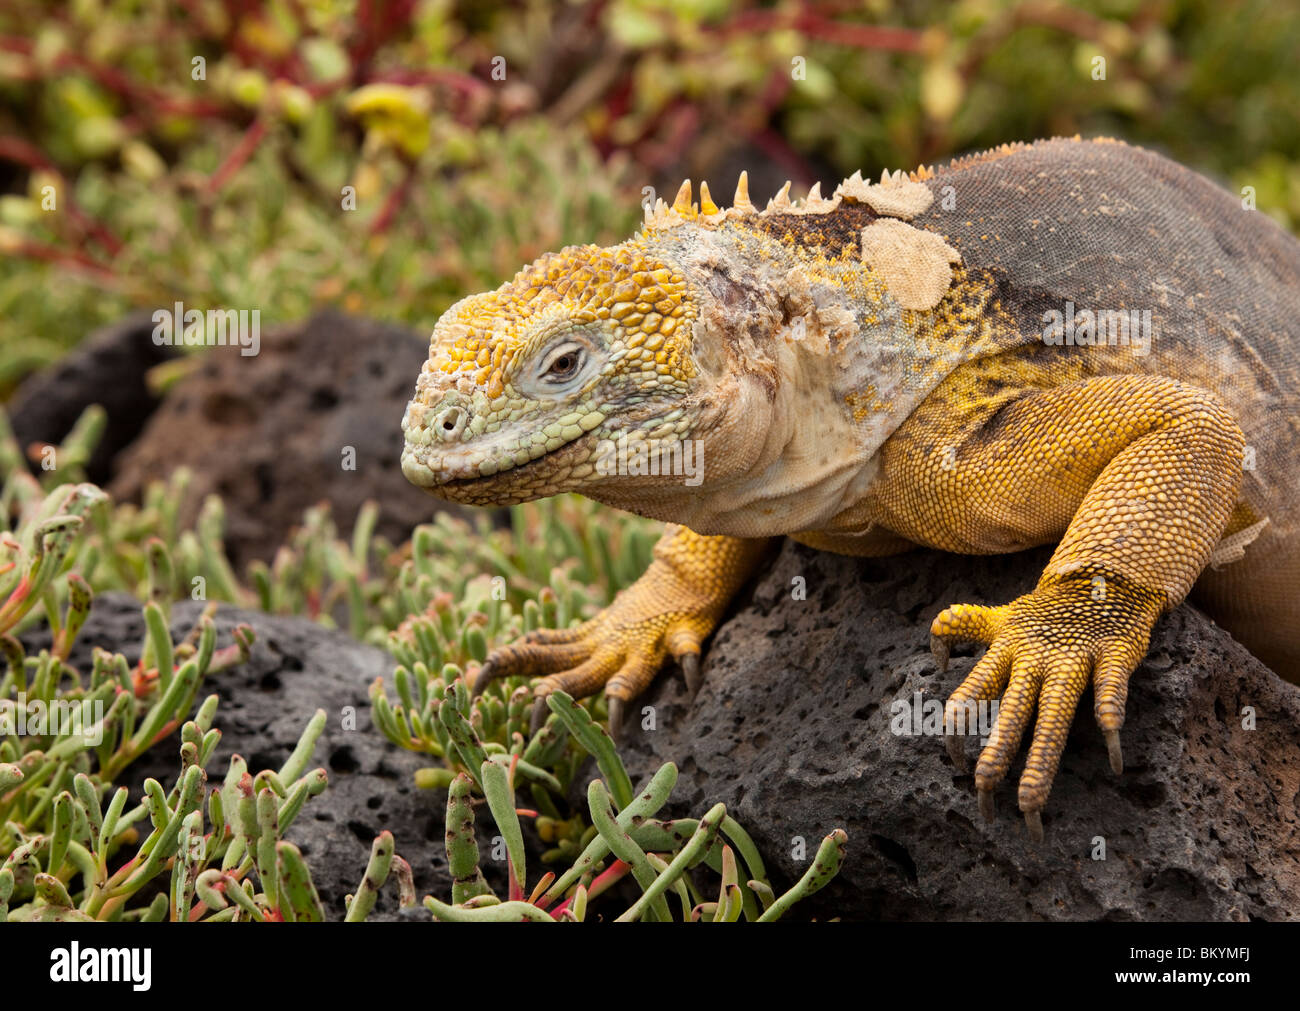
(378,21)
(135,93)
(682,128)
(52,254)
(235,160)
(141,95)
(679,121)
(811,24)
(8,612)
(395,200)
(778,85)
(224,657)
(16,149)
(168,728)
(605,880)
(453,79)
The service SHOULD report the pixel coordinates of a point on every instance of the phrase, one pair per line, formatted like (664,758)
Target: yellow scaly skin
(868,372)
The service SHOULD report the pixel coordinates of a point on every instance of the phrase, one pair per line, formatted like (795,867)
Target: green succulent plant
(662,857)
(66,736)
(236,865)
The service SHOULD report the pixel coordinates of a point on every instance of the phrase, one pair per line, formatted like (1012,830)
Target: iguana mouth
(434,473)
(537,478)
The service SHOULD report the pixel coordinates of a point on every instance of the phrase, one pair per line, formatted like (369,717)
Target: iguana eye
(563,363)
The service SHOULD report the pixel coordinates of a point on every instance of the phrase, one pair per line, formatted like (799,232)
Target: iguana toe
(532,655)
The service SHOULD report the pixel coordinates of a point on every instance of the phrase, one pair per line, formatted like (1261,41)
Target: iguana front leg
(1139,473)
(670,610)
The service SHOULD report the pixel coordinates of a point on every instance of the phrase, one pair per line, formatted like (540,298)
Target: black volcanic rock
(792,730)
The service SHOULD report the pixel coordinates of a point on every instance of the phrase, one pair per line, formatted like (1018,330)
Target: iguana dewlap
(1072,342)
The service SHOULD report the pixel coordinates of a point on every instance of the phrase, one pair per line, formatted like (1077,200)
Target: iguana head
(523,385)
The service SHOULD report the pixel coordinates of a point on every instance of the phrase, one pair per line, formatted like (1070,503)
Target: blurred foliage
(210,150)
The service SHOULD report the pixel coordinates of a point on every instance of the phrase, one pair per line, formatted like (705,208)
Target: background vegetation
(200,149)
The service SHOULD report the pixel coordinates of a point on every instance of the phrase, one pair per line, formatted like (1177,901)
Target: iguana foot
(619,650)
(1042,650)
(669,611)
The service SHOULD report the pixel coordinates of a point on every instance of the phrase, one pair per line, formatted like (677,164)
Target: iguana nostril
(449,423)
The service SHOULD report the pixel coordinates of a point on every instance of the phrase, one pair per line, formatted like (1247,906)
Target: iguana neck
(810,367)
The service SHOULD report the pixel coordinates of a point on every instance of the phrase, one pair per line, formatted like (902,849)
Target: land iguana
(1072,342)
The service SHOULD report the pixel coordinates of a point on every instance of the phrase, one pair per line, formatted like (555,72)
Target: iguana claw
(616,707)
(486,674)
(1116,753)
(957,752)
(691,670)
(1034,823)
(941,653)
(540,711)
